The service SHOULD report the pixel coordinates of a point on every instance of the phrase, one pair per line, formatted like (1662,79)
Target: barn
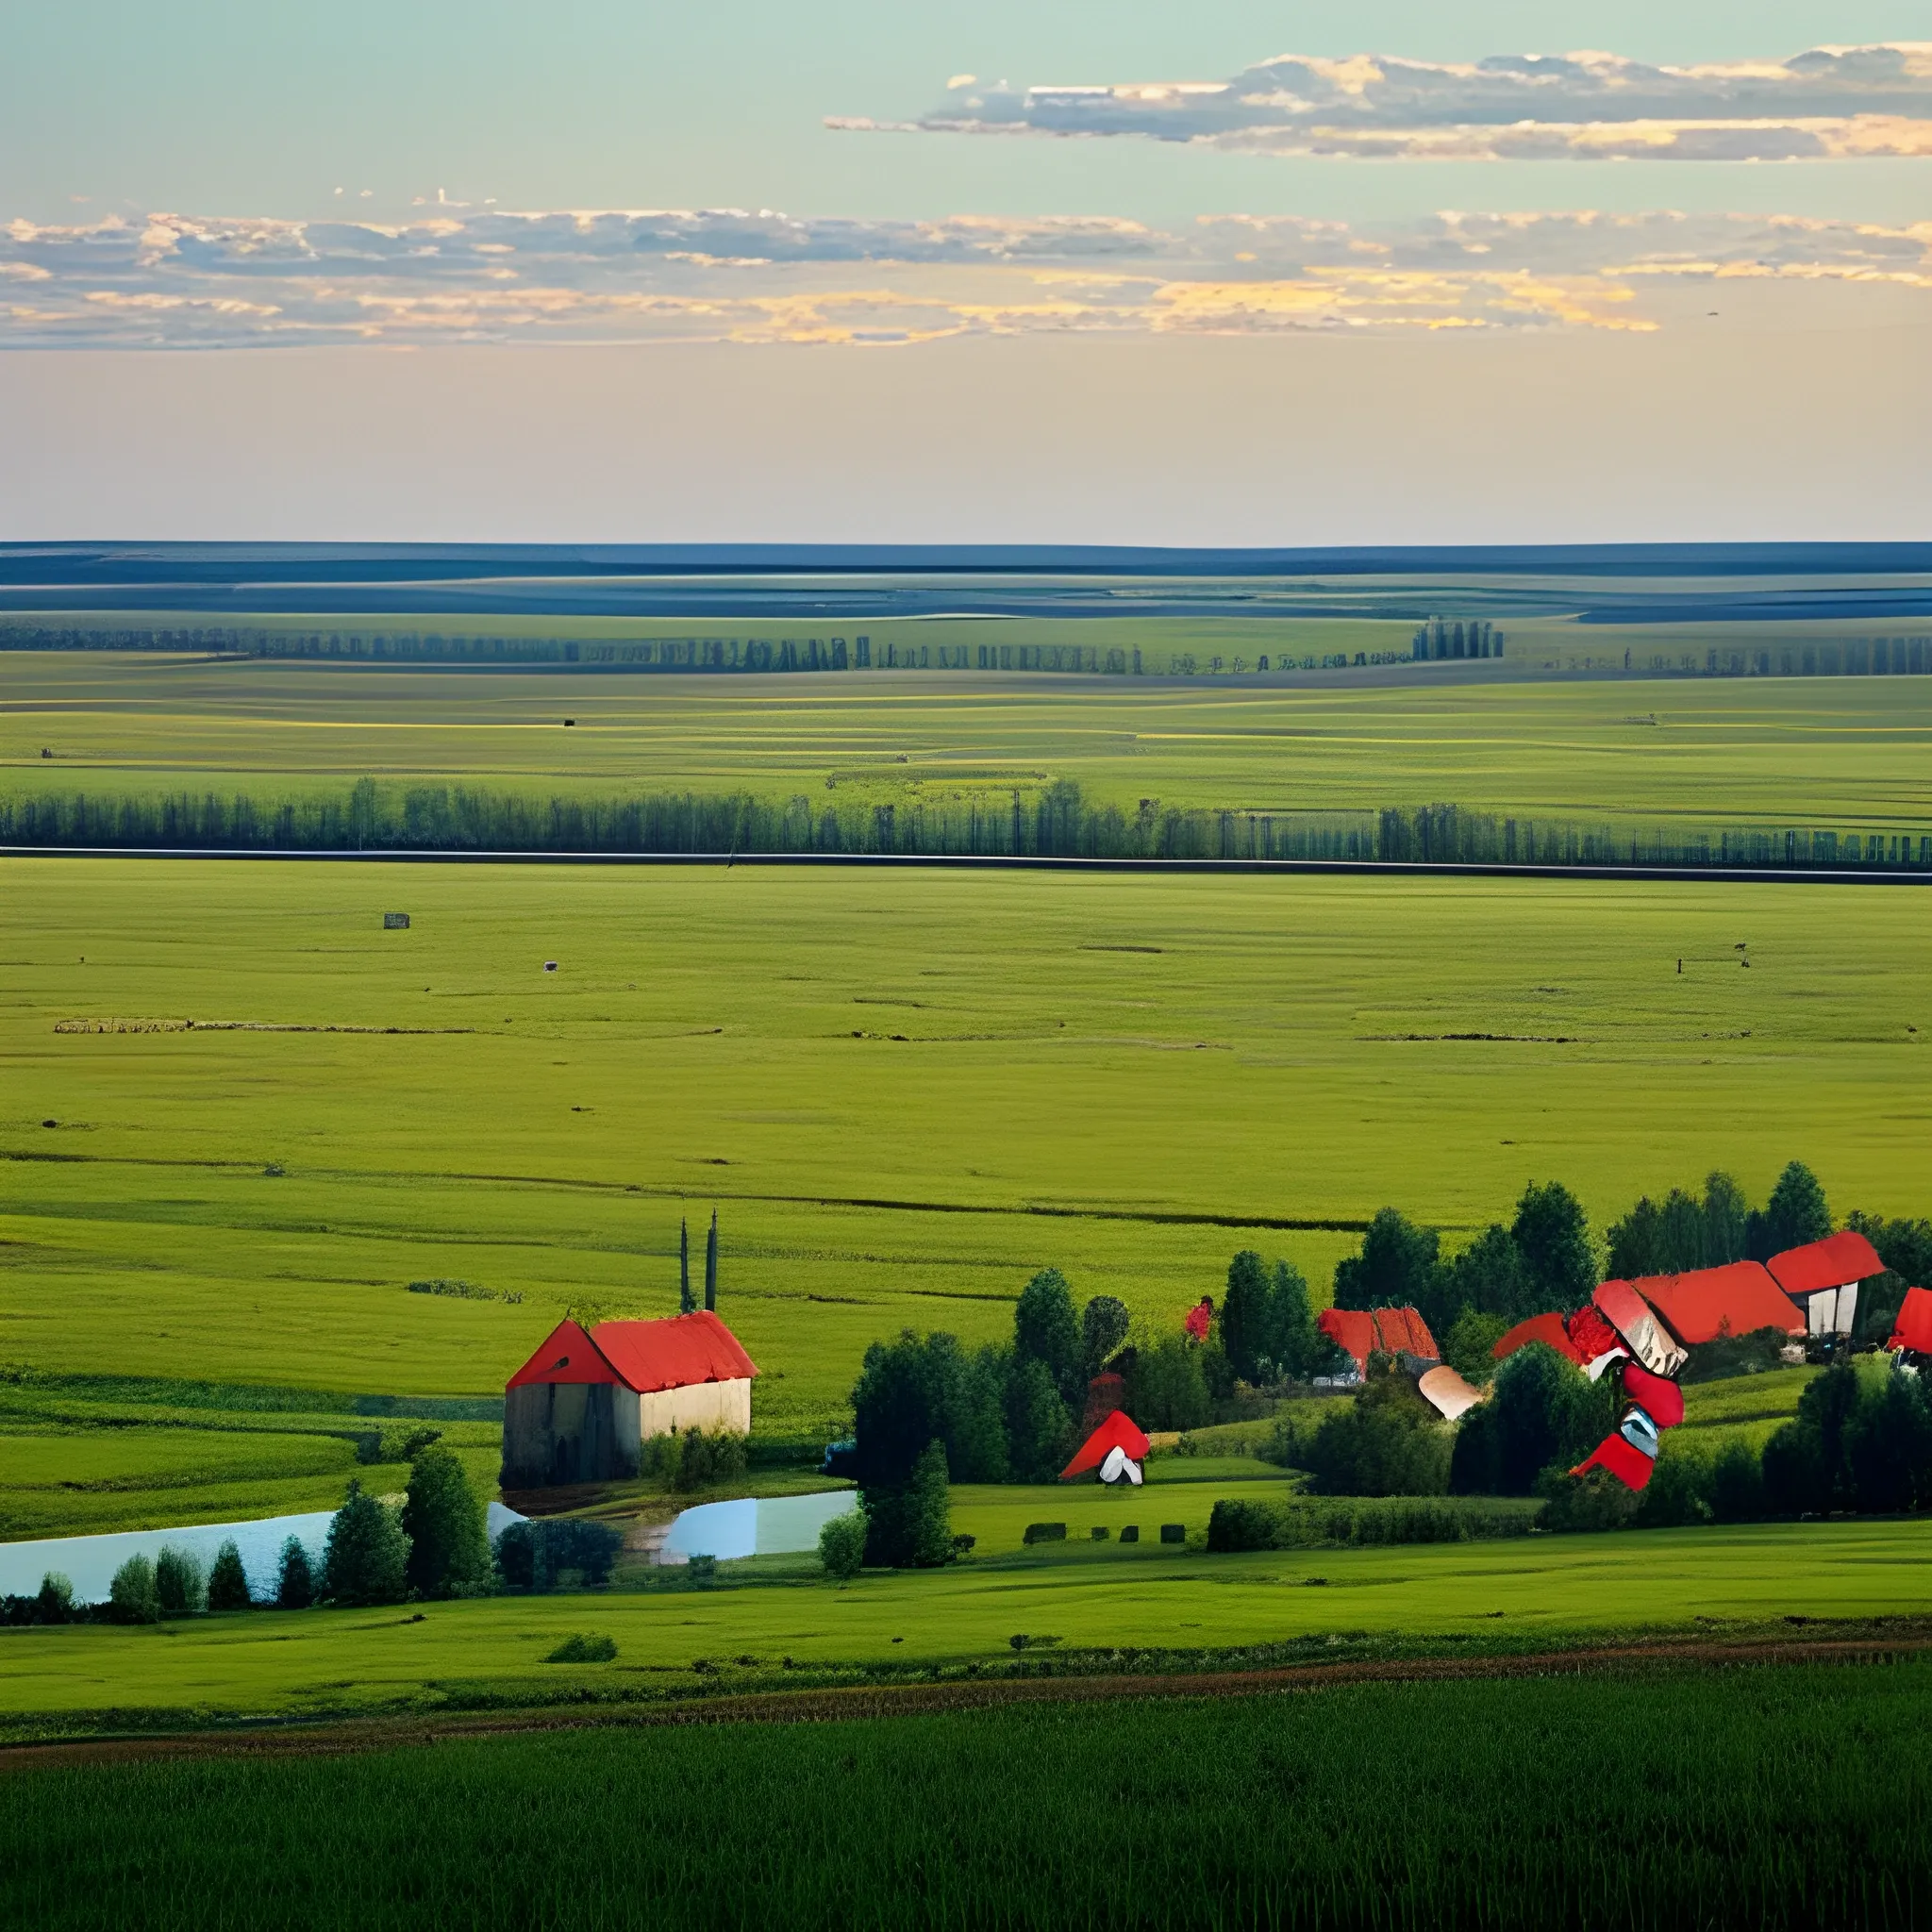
(582,1405)
(1823,1278)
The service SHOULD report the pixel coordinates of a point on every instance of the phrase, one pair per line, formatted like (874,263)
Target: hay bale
(396,922)
(1174,1532)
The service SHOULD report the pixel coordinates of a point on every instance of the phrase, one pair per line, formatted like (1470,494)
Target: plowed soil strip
(911,1700)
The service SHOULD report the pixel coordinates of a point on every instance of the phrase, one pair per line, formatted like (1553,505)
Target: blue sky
(1796,373)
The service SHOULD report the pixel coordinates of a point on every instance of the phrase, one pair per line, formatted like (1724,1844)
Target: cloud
(1826,104)
(570,275)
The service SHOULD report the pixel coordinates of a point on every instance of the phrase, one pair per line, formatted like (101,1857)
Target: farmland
(1088,1598)
(1849,753)
(1771,1797)
(902,1094)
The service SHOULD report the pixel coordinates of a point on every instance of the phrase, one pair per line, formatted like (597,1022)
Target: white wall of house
(1832,1310)
(706,1405)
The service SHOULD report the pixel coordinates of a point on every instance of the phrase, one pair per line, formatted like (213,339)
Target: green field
(1844,752)
(904,1094)
(1775,1797)
(675,1640)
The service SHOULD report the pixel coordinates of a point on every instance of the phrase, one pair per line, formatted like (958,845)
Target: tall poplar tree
(685,1304)
(711,1265)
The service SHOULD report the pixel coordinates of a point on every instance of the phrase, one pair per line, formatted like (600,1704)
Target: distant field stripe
(1847,874)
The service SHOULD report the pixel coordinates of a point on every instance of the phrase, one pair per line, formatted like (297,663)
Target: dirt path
(904,1700)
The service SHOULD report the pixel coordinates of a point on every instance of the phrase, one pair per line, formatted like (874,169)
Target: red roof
(1834,1262)
(1353,1330)
(678,1352)
(1913,1328)
(1710,1302)
(1628,1465)
(1548,1329)
(675,1352)
(1115,1432)
(1405,1332)
(567,1354)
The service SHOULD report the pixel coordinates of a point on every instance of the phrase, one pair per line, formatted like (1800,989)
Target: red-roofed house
(1405,1332)
(1353,1330)
(1737,1299)
(1823,1278)
(580,1408)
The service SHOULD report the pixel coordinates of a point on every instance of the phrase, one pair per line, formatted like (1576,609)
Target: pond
(754,1526)
(88,1562)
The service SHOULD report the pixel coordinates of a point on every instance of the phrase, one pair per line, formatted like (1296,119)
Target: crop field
(1772,1797)
(1847,752)
(902,1094)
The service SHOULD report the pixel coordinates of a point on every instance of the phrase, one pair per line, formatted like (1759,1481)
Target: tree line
(1057,820)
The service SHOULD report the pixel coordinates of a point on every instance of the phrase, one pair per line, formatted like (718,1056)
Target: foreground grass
(674,1641)
(904,1094)
(1771,1797)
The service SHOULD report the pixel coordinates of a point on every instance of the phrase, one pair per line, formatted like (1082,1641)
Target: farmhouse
(580,1409)
(1361,1332)
(1823,1278)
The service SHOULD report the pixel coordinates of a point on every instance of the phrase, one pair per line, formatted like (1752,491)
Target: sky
(1380,272)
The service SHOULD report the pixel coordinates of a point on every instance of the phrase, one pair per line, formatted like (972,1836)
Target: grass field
(1845,752)
(904,1094)
(1543,1590)
(1774,1797)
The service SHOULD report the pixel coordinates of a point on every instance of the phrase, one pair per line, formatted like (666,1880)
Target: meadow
(768,1626)
(1774,1797)
(901,1094)
(1695,754)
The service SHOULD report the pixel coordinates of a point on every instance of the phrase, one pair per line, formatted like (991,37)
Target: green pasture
(902,1094)
(1543,1589)
(1843,752)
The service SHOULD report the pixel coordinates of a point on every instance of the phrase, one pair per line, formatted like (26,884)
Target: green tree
(1637,1244)
(227,1581)
(1298,1346)
(1489,1278)
(1467,1347)
(841,1545)
(1397,1268)
(1737,1484)
(449,1549)
(930,1508)
(1905,1248)
(1103,1323)
(1387,1442)
(131,1595)
(1727,1218)
(687,1302)
(367,1558)
(1045,1329)
(1038,1434)
(1544,1413)
(1795,1214)
(975,1420)
(54,1601)
(179,1588)
(294,1582)
(1245,1315)
(1166,1385)
(1554,1238)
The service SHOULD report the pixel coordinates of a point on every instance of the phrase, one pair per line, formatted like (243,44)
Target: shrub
(1167,1385)
(1103,1323)
(295,1585)
(1044,1533)
(1593,1501)
(179,1586)
(1544,1412)
(228,1582)
(1241,1526)
(368,1554)
(131,1595)
(1130,1533)
(54,1602)
(449,1549)
(543,1556)
(1678,1492)
(1098,1533)
(842,1546)
(583,1650)
(1238,1523)
(696,1459)
(1174,1532)
(1387,1442)
(1467,1348)
(701,1569)
(1733,1355)
(1737,1484)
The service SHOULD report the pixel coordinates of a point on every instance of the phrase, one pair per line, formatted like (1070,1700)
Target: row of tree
(1051,820)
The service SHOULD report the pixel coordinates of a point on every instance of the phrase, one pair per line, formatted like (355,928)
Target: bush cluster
(1241,1525)
(694,1460)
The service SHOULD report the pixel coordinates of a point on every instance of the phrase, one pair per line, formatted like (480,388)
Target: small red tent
(1116,1431)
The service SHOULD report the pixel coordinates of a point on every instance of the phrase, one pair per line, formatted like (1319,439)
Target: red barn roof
(1117,1431)
(1353,1330)
(674,1353)
(1405,1332)
(567,1354)
(1834,1262)
(1710,1302)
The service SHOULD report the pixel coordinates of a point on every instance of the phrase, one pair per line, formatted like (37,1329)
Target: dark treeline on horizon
(1054,821)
